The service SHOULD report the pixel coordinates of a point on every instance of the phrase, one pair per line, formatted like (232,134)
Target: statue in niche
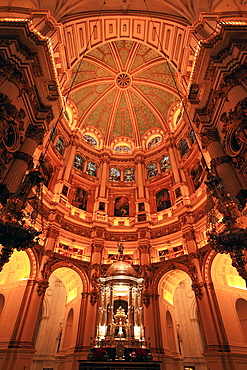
(121,207)
(196,175)
(163,200)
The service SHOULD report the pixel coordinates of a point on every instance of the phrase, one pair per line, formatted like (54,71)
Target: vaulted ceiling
(188,9)
(123,88)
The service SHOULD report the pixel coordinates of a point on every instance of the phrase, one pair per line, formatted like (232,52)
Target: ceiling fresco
(123,88)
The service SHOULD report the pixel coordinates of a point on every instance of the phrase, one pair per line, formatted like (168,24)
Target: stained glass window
(165,163)
(155,141)
(90,140)
(52,134)
(192,136)
(91,169)
(152,169)
(114,174)
(129,174)
(60,145)
(78,162)
(183,148)
(122,148)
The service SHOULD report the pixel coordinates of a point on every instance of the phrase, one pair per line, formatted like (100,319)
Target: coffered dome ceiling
(123,89)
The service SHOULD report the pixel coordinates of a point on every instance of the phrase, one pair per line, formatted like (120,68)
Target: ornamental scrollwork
(24,157)
(47,268)
(42,286)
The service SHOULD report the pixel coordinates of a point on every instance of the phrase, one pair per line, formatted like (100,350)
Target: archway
(58,322)
(179,319)
(231,294)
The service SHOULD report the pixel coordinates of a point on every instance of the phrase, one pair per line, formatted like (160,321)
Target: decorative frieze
(158,233)
(75,229)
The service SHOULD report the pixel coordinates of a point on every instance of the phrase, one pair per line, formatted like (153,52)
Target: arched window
(165,163)
(78,162)
(152,169)
(114,174)
(241,307)
(80,199)
(122,148)
(90,140)
(155,141)
(52,134)
(183,147)
(121,207)
(192,137)
(91,169)
(129,174)
(163,200)
(60,145)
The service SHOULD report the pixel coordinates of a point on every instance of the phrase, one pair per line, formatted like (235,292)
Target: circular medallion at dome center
(123,80)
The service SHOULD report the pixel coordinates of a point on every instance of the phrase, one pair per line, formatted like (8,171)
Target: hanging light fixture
(15,231)
(227,235)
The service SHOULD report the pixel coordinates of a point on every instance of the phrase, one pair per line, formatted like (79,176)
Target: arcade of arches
(123,105)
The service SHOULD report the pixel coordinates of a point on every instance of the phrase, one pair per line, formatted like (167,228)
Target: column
(110,313)
(23,158)
(130,314)
(70,157)
(220,162)
(139,177)
(173,162)
(104,177)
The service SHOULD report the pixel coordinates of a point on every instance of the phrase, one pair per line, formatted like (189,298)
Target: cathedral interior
(123,171)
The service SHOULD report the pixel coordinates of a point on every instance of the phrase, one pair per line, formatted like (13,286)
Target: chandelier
(15,232)
(229,235)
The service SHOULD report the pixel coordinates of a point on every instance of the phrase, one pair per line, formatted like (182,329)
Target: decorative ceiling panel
(123,88)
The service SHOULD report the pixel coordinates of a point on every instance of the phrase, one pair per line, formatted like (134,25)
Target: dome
(120,268)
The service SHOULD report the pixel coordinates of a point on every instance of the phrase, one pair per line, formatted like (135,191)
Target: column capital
(220,160)
(36,133)
(24,157)
(208,137)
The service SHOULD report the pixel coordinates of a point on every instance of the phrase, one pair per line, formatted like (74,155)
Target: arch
(170,332)
(241,308)
(169,283)
(68,329)
(222,272)
(18,268)
(128,30)
(71,280)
